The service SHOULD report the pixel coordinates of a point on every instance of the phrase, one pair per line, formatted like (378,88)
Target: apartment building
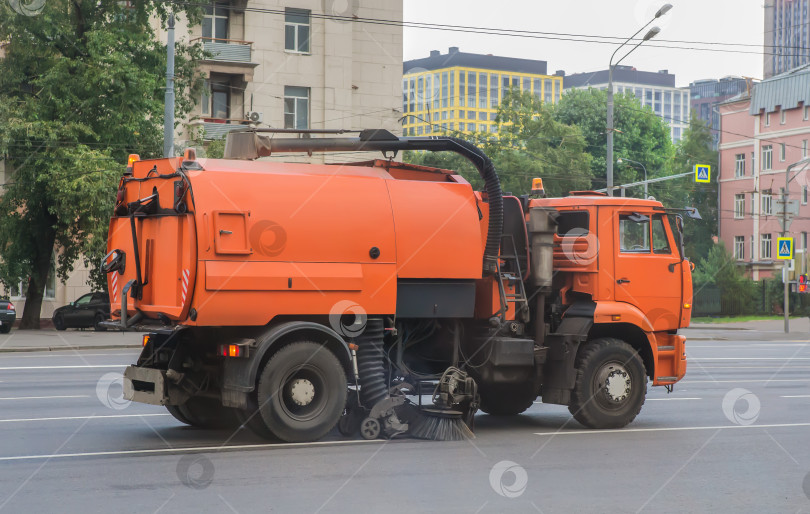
(787,36)
(761,135)
(654,89)
(460,91)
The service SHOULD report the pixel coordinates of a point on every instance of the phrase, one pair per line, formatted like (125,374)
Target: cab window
(659,236)
(634,233)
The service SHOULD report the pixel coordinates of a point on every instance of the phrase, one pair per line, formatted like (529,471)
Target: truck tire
(204,412)
(507,401)
(611,384)
(174,410)
(301,392)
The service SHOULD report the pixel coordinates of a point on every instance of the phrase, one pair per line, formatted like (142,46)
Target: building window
(548,91)
(215,21)
(804,195)
(739,247)
(767,119)
(767,202)
(739,205)
(806,112)
(296,30)
(461,88)
(804,240)
(782,152)
(782,117)
(471,76)
(493,91)
(804,148)
(216,99)
(752,247)
(739,165)
(767,157)
(765,246)
(444,90)
(296,107)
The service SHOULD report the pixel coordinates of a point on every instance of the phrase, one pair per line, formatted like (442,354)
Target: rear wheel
(204,412)
(611,384)
(59,322)
(97,323)
(301,392)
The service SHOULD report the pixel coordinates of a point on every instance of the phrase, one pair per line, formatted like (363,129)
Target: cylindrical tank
(542,226)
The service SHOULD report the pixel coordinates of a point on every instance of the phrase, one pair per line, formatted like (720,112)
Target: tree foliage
(639,135)
(530,143)
(81,86)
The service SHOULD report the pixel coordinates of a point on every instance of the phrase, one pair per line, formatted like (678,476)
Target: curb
(67,348)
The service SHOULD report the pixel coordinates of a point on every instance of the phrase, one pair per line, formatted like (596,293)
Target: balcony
(228,50)
(216,128)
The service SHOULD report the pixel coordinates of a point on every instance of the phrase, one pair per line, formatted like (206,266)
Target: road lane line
(10,368)
(46,397)
(670,399)
(669,429)
(796,396)
(196,449)
(742,380)
(64,418)
(699,359)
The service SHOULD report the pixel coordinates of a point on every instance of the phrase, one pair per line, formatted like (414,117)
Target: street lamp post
(788,179)
(620,160)
(611,65)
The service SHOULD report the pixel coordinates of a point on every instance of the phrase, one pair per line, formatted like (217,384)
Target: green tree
(530,143)
(81,86)
(696,148)
(719,268)
(639,135)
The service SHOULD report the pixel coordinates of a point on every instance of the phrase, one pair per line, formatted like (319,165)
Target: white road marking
(46,397)
(197,449)
(700,359)
(755,367)
(796,396)
(111,416)
(669,429)
(61,353)
(9,368)
(670,399)
(743,380)
(755,346)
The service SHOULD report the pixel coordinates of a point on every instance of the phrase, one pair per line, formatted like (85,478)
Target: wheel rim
(613,385)
(303,393)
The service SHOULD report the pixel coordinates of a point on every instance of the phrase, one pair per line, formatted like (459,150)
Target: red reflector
(231,350)
(146,339)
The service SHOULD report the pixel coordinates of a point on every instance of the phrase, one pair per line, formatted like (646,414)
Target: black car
(7,316)
(88,311)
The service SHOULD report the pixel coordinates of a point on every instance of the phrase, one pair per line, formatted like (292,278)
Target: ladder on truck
(514,275)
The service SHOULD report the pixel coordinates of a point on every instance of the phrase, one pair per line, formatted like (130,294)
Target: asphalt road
(733,437)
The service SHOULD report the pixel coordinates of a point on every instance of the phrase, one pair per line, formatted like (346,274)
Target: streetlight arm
(610,64)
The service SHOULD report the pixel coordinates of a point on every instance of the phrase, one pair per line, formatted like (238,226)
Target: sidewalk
(765,330)
(53,340)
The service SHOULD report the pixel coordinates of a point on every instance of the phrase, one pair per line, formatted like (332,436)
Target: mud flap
(559,371)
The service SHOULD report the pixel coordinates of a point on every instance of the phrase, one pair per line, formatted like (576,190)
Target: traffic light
(803,283)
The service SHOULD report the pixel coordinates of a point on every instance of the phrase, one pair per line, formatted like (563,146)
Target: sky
(693,23)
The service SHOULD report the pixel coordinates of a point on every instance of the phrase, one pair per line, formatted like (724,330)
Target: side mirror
(693,213)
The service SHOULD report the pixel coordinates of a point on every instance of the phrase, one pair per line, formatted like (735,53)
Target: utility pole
(168,109)
(785,226)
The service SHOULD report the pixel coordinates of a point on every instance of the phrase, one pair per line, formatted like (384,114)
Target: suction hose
(370,363)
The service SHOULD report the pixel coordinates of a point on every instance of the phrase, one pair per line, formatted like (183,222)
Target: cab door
(647,267)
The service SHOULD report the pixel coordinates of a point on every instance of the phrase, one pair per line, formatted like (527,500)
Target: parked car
(7,316)
(88,311)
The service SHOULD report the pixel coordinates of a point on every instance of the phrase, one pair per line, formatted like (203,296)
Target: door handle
(225,232)
(623,281)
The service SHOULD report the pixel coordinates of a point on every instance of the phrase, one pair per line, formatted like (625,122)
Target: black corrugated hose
(370,363)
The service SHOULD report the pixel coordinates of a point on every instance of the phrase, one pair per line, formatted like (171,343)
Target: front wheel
(301,392)
(611,384)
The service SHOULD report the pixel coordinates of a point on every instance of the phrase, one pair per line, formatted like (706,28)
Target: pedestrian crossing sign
(784,248)
(702,173)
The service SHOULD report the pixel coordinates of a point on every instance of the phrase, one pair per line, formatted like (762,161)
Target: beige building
(304,64)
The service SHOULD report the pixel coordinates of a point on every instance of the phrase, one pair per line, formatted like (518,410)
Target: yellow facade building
(460,92)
